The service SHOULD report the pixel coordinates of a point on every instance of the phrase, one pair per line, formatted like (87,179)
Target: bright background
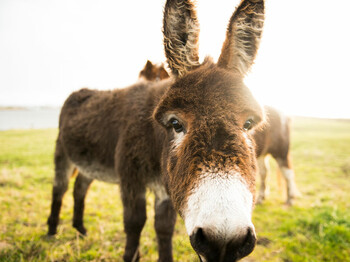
(49,48)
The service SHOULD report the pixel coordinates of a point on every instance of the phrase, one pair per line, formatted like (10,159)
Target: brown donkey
(186,138)
(274,139)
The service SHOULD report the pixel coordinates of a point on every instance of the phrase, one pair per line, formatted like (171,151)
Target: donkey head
(153,72)
(208,160)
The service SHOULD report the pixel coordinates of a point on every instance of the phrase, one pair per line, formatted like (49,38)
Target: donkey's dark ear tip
(149,64)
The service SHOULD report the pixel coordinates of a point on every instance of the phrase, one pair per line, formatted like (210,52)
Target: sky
(50,48)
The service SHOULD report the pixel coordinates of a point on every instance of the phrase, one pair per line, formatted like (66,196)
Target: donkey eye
(248,124)
(176,125)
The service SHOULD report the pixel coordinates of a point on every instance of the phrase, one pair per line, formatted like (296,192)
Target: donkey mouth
(211,249)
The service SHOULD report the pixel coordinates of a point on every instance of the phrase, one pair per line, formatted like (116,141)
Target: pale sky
(50,48)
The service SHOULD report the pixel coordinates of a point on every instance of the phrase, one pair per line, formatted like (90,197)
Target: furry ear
(243,37)
(163,74)
(149,65)
(146,71)
(181,33)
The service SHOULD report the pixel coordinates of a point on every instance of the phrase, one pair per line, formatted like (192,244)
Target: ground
(316,228)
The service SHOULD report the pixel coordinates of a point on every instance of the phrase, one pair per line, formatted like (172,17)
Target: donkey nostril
(250,239)
(209,245)
(198,240)
(204,243)
(245,245)
(200,235)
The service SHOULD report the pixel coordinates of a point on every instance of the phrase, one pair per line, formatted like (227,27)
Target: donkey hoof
(297,194)
(52,231)
(81,229)
(131,257)
(260,200)
(290,202)
(50,234)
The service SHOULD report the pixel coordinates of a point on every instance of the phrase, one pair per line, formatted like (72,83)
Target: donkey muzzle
(210,247)
(218,218)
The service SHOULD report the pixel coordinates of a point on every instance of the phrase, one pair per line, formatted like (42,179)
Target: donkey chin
(218,217)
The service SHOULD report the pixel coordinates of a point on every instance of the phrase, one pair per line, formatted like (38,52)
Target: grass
(316,228)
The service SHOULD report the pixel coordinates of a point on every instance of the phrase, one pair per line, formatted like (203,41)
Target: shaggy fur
(272,138)
(181,34)
(163,135)
(243,37)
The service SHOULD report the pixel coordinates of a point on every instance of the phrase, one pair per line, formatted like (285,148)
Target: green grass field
(316,228)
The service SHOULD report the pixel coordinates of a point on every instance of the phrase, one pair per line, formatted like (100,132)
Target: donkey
(273,139)
(186,138)
(153,72)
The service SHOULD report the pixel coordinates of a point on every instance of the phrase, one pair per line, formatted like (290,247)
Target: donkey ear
(149,65)
(243,37)
(181,33)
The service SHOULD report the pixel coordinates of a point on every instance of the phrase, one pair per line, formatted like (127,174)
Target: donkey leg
(263,165)
(288,173)
(63,169)
(134,204)
(165,218)
(81,187)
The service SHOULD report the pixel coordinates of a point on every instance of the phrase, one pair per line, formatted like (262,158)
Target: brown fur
(274,139)
(245,29)
(214,135)
(153,72)
(181,35)
(127,136)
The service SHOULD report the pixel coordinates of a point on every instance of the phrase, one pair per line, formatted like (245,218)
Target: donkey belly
(99,172)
